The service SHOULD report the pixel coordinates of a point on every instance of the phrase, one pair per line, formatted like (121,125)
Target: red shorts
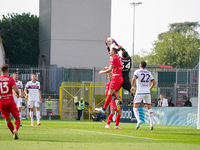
(116,82)
(113,106)
(7,107)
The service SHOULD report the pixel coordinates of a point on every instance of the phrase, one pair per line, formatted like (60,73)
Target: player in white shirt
(143,78)
(34,97)
(18,101)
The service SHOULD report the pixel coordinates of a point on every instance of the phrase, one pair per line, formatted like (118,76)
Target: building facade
(72,33)
(2,53)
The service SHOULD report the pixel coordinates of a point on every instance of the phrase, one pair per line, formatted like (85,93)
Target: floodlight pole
(198,111)
(134,4)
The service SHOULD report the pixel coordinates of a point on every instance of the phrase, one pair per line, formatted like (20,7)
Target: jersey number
(143,78)
(4,85)
(127,65)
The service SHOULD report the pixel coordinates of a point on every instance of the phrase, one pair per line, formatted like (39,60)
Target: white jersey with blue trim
(143,78)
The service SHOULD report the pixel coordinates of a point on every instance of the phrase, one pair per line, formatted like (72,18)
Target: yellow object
(70,92)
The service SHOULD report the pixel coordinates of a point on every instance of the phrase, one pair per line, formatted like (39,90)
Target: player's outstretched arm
(109,69)
(107,44)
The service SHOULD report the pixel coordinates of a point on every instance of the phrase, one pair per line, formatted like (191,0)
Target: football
(109,40)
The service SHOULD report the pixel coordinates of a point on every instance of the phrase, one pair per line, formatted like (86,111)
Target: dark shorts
(126,83)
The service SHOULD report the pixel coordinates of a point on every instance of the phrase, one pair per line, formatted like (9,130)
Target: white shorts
(32,104)
(145,97)
(18,101)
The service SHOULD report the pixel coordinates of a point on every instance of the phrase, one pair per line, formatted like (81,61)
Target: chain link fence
(175,84)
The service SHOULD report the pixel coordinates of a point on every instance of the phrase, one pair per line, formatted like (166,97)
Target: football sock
(107,102)
(31,116)
(110,118)
(151,115)
(136,113)
(17,123)
(118,119)
(10,126)
(20,115)
(38,116)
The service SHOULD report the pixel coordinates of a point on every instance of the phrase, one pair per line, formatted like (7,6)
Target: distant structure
(72,33)
(2,53)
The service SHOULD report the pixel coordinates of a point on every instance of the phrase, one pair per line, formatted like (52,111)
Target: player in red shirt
(117,80)
(7,103)
(113,105)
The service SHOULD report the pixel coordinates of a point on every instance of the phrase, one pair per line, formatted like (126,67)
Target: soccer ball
(109,40)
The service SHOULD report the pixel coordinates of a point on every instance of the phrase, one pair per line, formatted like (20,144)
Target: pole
(133,36)
(134,4)
(198,113)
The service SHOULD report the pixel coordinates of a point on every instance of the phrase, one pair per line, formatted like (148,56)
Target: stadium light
(198,111)
(134,4)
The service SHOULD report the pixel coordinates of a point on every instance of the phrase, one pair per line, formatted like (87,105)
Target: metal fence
(175,84)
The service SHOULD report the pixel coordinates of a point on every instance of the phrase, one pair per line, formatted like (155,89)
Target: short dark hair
(4,68)
(115,49)
(124,54)
(33,74)
(15,73)
(143,64)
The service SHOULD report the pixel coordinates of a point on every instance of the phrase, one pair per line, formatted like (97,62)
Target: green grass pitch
(85,135)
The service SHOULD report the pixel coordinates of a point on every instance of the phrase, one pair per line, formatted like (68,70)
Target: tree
(20,34)
(179,27)
(179,48)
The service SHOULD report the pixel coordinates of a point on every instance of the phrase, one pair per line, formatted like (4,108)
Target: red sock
(107,102)
(118,119)
(10,126)
(17,124)
(110,118)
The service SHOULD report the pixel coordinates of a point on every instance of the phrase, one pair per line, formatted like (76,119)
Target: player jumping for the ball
(126,61)
(117,80)
(113,105)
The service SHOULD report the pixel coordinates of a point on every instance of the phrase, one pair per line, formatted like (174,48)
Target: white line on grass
(98,132)
(112,134)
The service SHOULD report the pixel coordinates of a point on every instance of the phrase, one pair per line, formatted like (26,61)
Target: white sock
(31,116)
(38,116)
(20,115)
(151,115)
(136,113)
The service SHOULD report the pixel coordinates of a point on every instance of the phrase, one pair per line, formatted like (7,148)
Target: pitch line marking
(99,133)
(112,134)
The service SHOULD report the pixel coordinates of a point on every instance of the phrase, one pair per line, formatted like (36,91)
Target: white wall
(78,29)
(2,53)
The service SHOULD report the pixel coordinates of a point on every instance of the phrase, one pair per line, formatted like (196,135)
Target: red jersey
(6,84)
(116,61)
(107,87)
